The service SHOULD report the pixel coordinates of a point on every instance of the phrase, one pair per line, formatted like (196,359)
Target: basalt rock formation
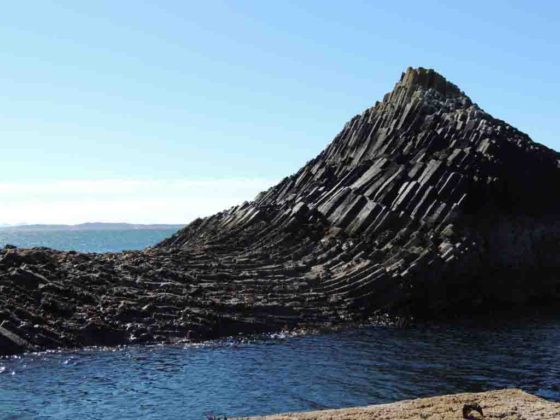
(422,206)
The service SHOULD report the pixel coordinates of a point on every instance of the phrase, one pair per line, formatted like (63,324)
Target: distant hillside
(89,226)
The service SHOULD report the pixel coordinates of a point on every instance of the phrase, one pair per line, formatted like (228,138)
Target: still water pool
(363,366)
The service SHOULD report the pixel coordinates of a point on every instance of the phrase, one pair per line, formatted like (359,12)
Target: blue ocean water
(276,374)
(108,240)
(366,366)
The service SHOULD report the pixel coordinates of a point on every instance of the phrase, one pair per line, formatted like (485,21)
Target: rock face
(423,205)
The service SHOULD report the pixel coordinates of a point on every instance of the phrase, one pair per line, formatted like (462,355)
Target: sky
(163,111)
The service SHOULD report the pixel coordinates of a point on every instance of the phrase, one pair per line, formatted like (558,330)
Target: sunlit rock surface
(507,404)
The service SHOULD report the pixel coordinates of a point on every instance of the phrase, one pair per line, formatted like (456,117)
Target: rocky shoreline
(507,404)
(422,207)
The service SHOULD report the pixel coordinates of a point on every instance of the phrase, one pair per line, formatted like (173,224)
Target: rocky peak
(428,79)
(422,205)
(428,87)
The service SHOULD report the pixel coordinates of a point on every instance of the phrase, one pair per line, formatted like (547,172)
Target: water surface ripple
(358,367)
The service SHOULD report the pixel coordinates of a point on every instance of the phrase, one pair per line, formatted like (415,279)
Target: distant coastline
(88,226)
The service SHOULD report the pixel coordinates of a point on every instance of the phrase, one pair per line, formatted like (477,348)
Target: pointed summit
(423,78)
(428,87)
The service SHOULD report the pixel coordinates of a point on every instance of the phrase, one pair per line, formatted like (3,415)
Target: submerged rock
(422,206)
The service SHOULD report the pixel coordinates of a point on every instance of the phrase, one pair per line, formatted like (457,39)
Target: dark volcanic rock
(424,205)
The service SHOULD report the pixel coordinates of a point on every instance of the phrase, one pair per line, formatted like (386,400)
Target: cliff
(422,206)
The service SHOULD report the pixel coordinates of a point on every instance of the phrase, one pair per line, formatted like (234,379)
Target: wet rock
(100,334)
(11,343)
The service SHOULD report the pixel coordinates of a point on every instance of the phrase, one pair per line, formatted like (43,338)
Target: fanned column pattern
(423,206)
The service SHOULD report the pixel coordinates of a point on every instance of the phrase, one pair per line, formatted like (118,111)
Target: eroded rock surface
(423,205)
(507,404)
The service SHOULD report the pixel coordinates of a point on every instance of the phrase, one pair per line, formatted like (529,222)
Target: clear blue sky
(179,91)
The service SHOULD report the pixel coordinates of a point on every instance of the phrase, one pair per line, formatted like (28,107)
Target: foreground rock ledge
(507,404)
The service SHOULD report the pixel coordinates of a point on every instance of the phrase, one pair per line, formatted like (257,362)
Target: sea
(85,240)
(276,373)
